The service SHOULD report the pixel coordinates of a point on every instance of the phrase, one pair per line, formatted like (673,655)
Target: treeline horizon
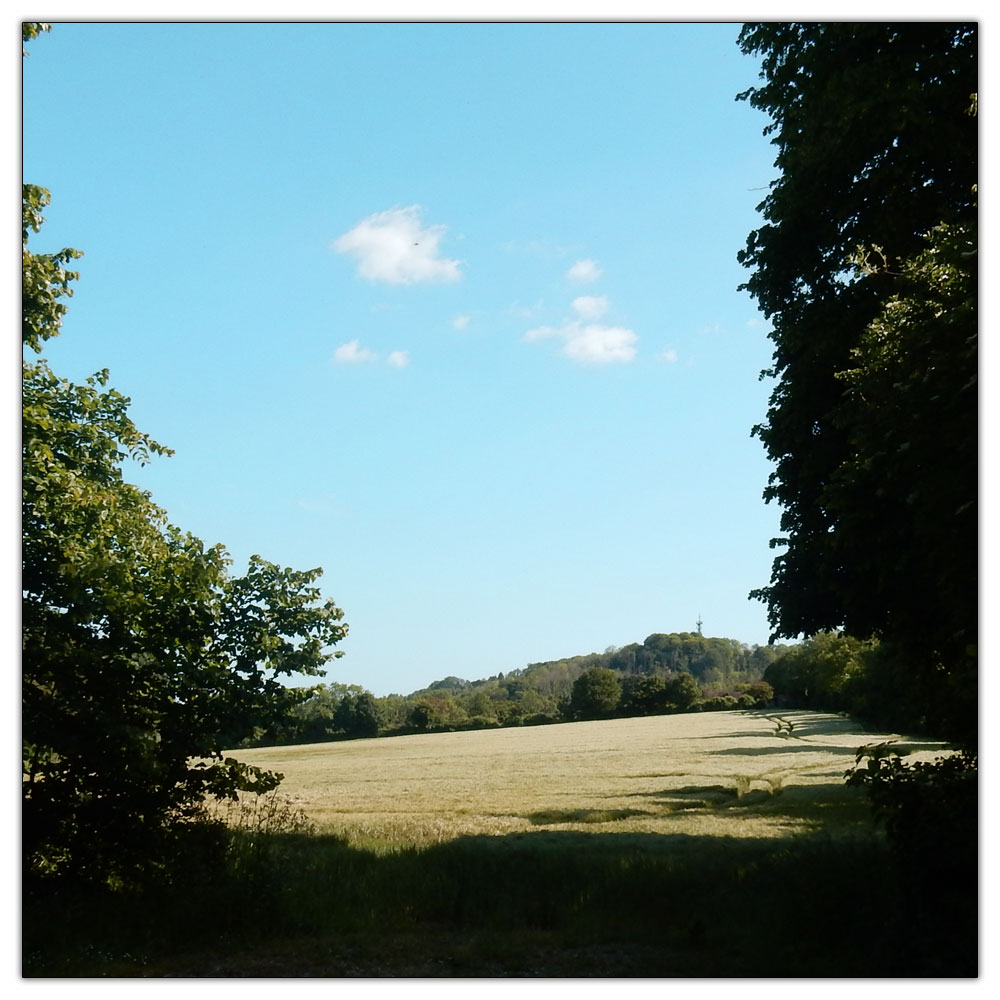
(666,672)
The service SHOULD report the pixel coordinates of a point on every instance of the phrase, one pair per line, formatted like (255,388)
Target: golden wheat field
(738,774)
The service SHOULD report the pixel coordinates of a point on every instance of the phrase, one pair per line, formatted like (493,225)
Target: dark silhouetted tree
(866,267)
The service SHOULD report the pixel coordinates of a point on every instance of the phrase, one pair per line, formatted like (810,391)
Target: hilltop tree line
(666,673)
(663,673)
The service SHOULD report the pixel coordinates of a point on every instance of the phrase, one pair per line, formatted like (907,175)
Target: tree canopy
(595,693)
(866,267)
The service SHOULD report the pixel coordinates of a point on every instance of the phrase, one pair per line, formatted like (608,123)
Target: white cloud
(353,353)
(590,306)
(584,271)
(461,322)
(669,355)
(590,343)
(394,247)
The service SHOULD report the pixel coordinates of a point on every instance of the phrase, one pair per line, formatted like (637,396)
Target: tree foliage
(30,30)
(143,658)
(682,691)
(826,671)
(358,715)
(644,695)
(44,277)
(596,694)
(866,267)
(665,673)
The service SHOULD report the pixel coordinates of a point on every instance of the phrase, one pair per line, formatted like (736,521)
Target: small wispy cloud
(524,312)
(590,343)
(590,306)
(395,247)
(461,322)
(669,355)
(352,353)
(586,341)
(584,271)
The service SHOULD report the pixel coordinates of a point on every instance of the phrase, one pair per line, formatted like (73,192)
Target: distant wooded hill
(638,679)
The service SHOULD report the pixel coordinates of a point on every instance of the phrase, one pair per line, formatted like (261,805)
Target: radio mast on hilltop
(699,623)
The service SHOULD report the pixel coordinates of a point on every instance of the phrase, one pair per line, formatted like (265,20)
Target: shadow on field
(797,725)
(788,746)
(828,807)
(539,903)
(553,817)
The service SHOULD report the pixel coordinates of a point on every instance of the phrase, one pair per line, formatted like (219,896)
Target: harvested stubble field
(721,774)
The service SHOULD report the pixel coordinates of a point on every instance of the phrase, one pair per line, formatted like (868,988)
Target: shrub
(682,690)
(930,814)
(761,692)
(926,808)
(722,703)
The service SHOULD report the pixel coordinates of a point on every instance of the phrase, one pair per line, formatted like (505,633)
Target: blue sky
(449,310)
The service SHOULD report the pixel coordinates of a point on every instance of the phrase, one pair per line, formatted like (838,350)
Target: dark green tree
(394,710)
(825,671)
(866,267)
(682,691)
(311,719)
(143,658)
(644,695)
(596,693)
(424,714)
(358,715)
